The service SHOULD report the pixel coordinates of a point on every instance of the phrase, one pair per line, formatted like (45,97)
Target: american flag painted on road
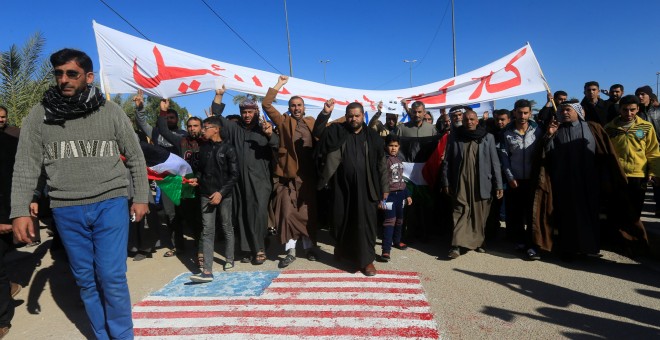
(292,304)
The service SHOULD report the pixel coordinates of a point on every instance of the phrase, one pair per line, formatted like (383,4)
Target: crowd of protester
(569,180)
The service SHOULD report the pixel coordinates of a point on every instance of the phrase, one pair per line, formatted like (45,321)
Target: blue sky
(366,41)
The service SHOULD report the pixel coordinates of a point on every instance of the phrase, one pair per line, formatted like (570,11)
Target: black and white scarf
(60,109)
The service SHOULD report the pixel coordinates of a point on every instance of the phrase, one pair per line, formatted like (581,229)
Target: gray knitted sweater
(81,159)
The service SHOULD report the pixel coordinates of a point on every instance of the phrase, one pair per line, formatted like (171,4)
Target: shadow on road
(561,297)
(62,285)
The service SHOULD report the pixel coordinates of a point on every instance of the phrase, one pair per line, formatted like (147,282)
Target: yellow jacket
(635,147)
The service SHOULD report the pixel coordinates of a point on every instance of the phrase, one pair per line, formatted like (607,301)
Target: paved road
(477,296)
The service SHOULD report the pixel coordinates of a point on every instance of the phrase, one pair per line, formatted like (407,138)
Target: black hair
(591,83)
(213,120)
(354,105)
(629,99)
(65,55)
(3,108)
(500,112)
(522,103)
(296,97)
(616,86)
(417,104)
(194,118)
(173,112)
(392,138)
(560,93)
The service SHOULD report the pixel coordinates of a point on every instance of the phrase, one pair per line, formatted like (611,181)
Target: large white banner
(129,63)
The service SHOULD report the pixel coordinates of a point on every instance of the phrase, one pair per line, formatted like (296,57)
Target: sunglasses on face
(71,74)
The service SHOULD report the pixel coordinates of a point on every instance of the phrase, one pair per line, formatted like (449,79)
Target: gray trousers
(207,241)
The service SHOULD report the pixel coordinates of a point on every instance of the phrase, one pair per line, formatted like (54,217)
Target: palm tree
(240,98)
(24,76)
(535,110)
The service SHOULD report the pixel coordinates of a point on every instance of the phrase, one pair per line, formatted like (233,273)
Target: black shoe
(311,255)
(532,255)
(247,258)
(400,246)
(287,261)
(385,257)
(455,252)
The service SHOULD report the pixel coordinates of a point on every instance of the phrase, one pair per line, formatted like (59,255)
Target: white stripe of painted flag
(298,304)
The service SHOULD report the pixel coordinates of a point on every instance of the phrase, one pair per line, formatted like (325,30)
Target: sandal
(260,258)
(170,253)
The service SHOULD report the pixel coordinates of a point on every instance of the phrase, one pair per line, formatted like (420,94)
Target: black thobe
(575,188)
(354,211)
(252,191)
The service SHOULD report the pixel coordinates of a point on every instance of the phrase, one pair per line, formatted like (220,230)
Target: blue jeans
(95,238)
(393,220)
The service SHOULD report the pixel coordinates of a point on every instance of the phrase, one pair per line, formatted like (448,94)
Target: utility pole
(288,39)
(453,35)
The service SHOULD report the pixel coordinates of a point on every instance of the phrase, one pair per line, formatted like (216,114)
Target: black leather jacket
(218,167)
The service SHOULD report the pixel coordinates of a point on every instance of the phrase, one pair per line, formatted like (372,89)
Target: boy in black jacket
(218,168)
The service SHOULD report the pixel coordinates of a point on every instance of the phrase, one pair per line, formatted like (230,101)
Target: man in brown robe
(471,174)
(294,203)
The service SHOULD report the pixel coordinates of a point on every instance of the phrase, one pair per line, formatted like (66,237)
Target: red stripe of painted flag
(336,271)
(405,332)
(346,279)
(345,290)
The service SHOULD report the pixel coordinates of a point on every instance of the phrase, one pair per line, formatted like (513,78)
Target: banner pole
(545,81)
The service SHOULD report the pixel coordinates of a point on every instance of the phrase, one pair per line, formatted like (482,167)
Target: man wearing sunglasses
(78,137)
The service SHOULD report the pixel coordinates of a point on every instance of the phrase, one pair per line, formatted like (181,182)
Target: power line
(425,53)
(434,36)
(239,36)
(122,18)
(135,28)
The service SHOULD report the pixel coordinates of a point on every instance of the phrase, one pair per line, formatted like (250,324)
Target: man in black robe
(571,152)
(255,143)
(353,165)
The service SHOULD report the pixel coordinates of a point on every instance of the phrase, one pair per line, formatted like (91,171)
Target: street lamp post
(324,62)
(410,62)
(288,38)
